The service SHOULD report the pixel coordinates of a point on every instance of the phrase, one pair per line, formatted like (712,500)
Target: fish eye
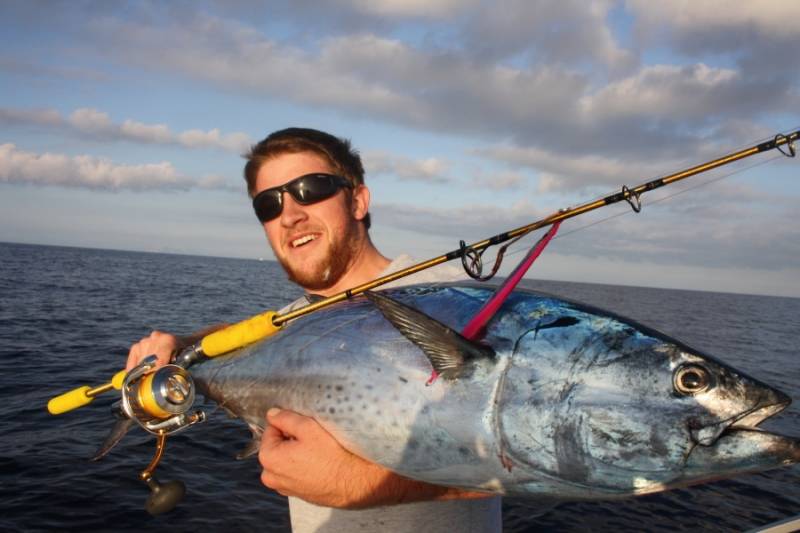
(691,379)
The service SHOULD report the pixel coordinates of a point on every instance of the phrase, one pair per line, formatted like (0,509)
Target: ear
(360,203)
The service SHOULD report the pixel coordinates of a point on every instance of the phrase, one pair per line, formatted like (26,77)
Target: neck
(366,265)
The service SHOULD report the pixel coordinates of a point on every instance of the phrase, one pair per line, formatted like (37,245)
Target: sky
(122,126)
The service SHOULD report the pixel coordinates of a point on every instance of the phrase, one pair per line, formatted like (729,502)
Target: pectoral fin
(253,446)
(448,351)
(119,430)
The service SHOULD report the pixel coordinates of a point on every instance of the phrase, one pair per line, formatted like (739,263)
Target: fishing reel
(159,401)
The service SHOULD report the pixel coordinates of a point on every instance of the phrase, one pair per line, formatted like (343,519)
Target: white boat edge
(783,526)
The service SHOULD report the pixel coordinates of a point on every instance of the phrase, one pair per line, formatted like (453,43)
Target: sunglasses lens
(305,190)
(313,188)
(267,205)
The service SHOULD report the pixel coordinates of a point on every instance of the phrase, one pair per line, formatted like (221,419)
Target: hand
(163,345)
(299,458)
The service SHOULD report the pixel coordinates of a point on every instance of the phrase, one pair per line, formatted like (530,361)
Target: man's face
(316,243)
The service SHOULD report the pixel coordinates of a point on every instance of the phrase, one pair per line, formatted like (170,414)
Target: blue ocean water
(68,316)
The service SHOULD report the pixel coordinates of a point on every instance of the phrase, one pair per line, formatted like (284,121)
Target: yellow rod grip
(240,334)
(69,401)
(83,395)
(118,379)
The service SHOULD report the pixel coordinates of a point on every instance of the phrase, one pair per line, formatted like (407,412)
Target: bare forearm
(388,488)
(301,459)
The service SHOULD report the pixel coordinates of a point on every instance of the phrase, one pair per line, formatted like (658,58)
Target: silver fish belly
(556,398)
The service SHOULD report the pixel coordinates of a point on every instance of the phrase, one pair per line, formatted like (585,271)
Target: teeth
(302,240)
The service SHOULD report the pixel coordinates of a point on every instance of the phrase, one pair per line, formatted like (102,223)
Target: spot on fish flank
(404,380)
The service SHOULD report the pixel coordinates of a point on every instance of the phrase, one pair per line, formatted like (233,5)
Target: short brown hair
(338,152)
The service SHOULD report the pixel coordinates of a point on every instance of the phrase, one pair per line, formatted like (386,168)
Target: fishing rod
(266,324)
(159,399)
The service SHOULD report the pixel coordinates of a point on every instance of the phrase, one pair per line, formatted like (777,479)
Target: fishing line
(522,248)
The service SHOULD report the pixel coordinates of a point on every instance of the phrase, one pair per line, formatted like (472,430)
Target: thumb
(289,423)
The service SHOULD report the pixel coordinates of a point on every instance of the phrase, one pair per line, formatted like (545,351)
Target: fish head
(606,407)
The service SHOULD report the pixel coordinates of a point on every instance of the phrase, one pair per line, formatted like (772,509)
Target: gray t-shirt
(468,516)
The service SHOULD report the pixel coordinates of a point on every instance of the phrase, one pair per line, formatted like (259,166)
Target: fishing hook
(789,145)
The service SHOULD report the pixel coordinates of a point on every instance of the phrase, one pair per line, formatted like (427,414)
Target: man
(309,194)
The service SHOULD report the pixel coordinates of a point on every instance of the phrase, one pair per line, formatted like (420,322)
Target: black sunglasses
(307,189)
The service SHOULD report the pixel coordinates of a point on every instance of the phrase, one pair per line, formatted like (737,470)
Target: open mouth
(738,445)
(302,241)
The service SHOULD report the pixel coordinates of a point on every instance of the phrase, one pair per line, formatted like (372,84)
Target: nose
(292,212)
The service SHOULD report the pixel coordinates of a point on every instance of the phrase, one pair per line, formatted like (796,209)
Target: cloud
(531,97)
(547,32)
(149,133)
(692,95)
(16,67)
(91,121)
(550,103)
(83,171)
(713,227)
(430,170)
(232,142)
(433,9)
(500,181)
(40,117)
(761,36)
(99,126)
(472,222)
(775,19)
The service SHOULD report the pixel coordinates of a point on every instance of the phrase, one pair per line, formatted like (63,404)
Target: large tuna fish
(556,398)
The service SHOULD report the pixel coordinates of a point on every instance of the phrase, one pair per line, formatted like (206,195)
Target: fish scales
(575,403)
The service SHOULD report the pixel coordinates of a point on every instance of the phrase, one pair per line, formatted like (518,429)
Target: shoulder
(438,274)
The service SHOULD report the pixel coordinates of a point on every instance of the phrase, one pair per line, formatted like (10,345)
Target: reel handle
(81,396)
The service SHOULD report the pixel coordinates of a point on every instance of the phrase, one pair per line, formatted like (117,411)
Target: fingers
(162,345)
(289,423)
(272,454)
(272,437)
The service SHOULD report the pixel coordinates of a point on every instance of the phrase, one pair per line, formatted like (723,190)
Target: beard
(323,273)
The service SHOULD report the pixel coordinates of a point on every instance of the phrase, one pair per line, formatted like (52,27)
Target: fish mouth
(738,445)
(741,450)
(748,420)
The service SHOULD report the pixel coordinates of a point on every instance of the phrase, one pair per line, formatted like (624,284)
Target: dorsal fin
(448,351)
